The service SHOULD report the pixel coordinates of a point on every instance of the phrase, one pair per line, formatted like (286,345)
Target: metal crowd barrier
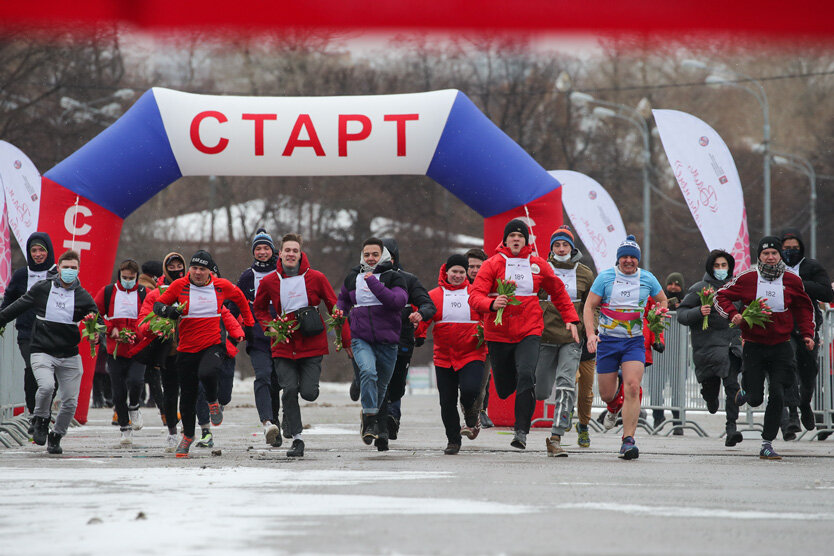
(12,429)
(669,384)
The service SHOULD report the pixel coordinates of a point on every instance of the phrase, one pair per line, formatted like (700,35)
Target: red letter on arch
(305,122)
(195,132)
(401,119)
(259,129)
(344,136)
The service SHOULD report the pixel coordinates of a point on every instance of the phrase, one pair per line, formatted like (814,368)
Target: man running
(559,353)
(620,294)
(767,351)
(514,344)
(475,260)
(59,303)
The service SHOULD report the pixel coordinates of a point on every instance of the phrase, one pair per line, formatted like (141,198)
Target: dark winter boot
(54,445)
(40,430)
(370,430)
(733,436)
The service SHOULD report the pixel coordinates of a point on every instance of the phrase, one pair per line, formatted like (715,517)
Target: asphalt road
(684,495)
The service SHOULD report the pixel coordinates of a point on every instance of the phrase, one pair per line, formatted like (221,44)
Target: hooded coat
(418,297)
(554,325)
(24,278)
(710,346)
(57,339)
(455,343)
(814,278)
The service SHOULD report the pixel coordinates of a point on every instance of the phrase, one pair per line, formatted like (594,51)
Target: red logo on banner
(610,227)
(17,165)
(722,180)
(703,141)
(592,194)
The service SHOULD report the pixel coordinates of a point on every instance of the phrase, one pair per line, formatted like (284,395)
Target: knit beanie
(202,258)
(517,225)
(262,238)
(629,247)
(152,268)
(769,242)
(563,233)
(457,260)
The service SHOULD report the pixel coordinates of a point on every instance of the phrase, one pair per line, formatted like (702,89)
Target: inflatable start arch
(168,134)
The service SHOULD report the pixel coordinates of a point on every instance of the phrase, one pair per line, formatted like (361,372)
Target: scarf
(265,266)
(363,267)
(771,272)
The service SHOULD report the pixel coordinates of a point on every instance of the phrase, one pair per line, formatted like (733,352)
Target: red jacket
(522,320)
(199,333)
(125,350)
(798,307)
(455,343)
(318,290)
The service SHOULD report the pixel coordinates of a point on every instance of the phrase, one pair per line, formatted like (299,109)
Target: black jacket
(53,338)
(418,296)
(710,347)
(20,283)
(814,278)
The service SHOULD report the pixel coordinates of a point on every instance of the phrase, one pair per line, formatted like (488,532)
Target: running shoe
(135,416)
(171,443)
(741,397)
(767,452)
(470,432)
(40,431)
(53,443)
(519,440)
(272,434)
(206,441)
(629,449)
(216,413)
(127,436)
(584,439)
(297,449)
(610,420)
(733,437)
(486,422)
(451,449)
(115,420)
(554,447)
(185,444)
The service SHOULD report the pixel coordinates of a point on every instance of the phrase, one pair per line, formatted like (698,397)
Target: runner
(297,290)
(200,348)
(60,303)
(119,305)
(559,353)
(418,308)
(267,398)
(40,259)
(620,294)
(373,296)
(458,359)
(151,271)
(716,350)
(767,351)
(475,259)
(514,345)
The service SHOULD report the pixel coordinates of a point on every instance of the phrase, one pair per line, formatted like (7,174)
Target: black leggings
(127,379)
(776,363)
(194,369)
(468,380)
(712,385)
(514,370)
(171,392)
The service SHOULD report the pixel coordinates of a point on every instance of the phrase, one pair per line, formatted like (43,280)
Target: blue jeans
(376,365)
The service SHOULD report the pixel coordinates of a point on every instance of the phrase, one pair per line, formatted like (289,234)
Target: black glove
(165,311)
(249,335)
(419,342)
(659,347)
(234,341)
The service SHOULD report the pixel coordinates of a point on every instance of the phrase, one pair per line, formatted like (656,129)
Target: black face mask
(177,274)
(791,256)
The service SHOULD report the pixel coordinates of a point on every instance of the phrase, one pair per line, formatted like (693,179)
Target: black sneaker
(808,418)
(451,449)
(54,444)
(393,427)
(486,422)
(297,449)
(733,437)
(519,440)
(381,444)
(354,390)
(40,430)
(712,405)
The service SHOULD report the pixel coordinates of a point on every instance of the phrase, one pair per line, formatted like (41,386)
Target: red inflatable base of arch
(502,412)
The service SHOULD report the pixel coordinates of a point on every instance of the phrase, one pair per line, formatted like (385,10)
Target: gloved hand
(419,342)
(165,311)
(235,341)
(249,335)
(659,347)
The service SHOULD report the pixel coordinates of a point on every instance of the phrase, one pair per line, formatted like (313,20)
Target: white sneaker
(171,443)
(271,432)
(136,420)
(127,437)
(610,420)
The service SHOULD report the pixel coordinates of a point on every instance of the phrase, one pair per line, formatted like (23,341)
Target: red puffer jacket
(455,343)
(318,290)
(522,320)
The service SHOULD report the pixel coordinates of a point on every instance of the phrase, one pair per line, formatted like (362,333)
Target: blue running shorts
(613,351)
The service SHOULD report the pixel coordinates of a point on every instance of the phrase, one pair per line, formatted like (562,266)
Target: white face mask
(720,274)
(562,258)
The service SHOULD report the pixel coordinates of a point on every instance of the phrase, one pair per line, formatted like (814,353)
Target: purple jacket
(379,323)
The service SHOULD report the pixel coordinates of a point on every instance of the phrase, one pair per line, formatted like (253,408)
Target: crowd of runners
(539,328)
